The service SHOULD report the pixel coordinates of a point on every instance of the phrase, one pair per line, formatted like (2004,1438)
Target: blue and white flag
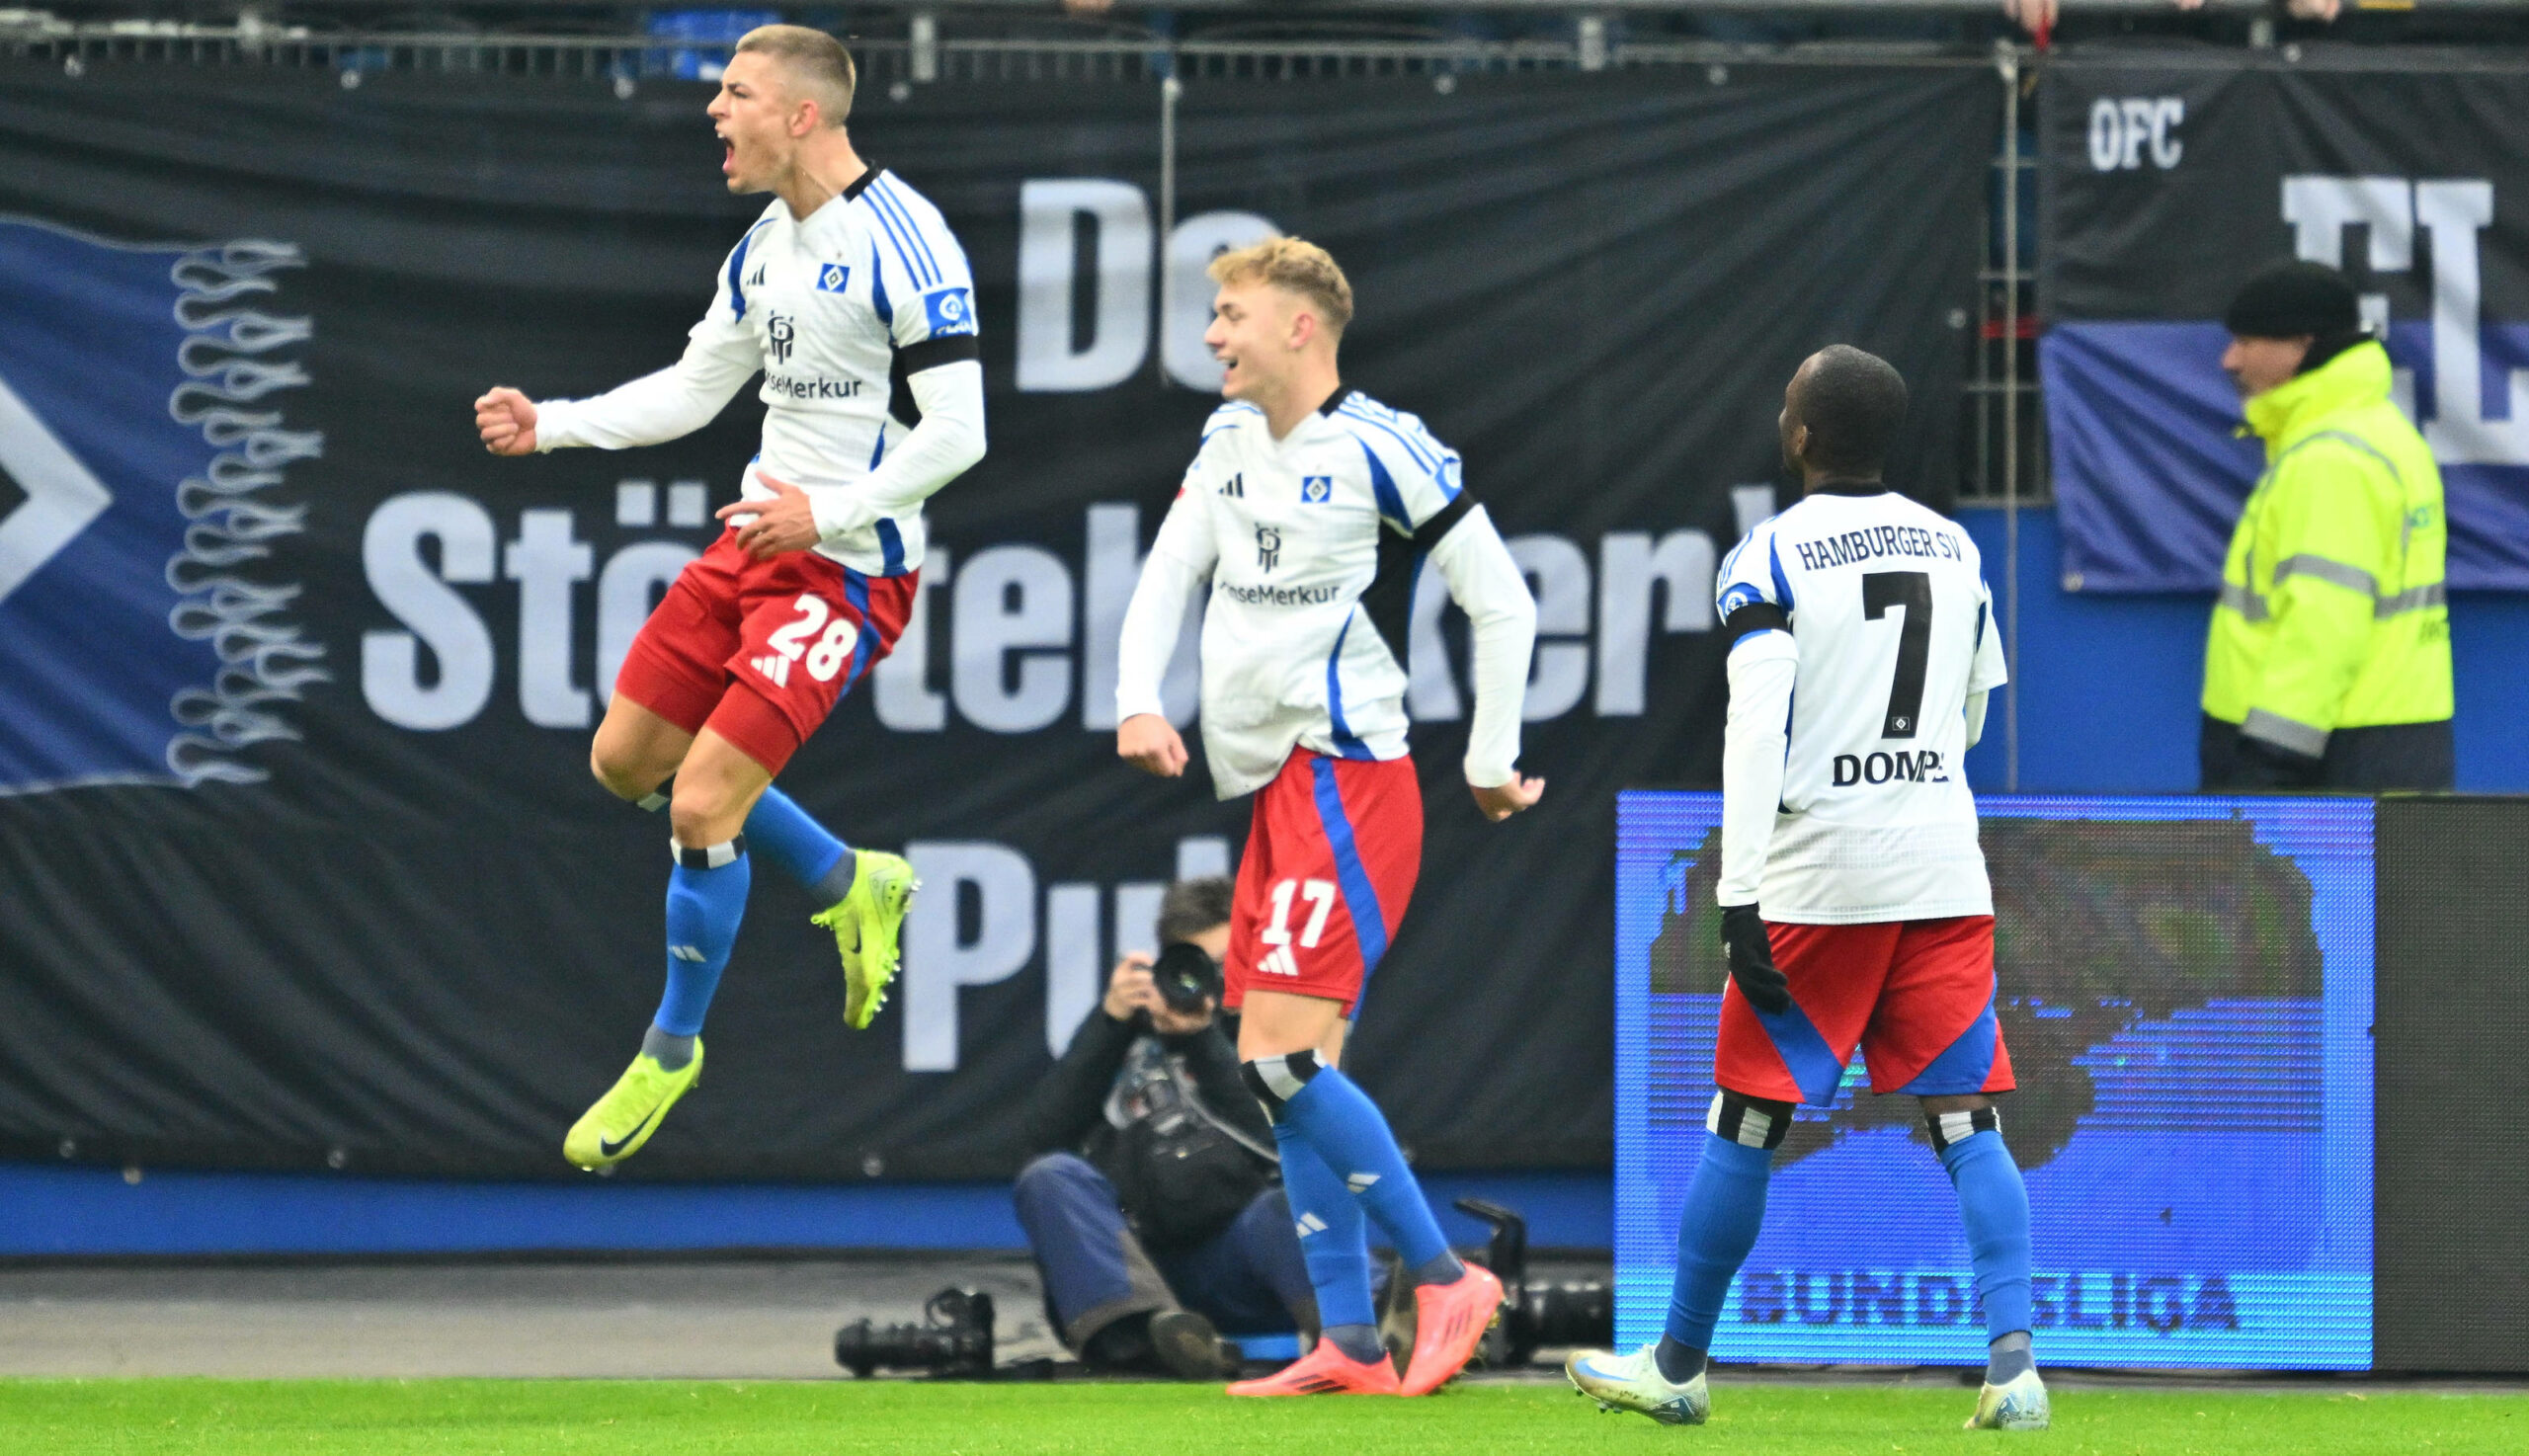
(143,456)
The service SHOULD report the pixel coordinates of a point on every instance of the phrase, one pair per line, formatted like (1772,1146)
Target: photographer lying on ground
(1168,1223)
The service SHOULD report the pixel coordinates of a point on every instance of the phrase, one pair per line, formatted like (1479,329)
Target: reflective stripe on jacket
(2333,611)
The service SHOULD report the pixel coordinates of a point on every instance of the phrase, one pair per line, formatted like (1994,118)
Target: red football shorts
(1332,853)
(761,651)
(1917,996)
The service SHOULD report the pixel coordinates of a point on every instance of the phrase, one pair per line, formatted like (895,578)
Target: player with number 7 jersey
(853,298)
(1854,906)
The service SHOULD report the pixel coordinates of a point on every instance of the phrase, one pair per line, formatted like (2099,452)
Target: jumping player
(1864,647)
(1311,508)
(853,298)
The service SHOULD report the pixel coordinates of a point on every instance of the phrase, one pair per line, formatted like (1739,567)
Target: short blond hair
(819,63)
(1295,266)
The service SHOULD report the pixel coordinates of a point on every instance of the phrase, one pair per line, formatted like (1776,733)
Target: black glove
(2263,765)
(1752,960)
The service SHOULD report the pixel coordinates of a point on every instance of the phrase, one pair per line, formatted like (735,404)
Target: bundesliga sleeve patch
(950,310)
(1736,595)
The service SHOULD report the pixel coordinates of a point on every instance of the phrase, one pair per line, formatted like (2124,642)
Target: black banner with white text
(301,862)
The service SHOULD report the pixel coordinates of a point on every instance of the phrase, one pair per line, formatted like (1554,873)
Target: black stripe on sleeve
(911,359)
(932,353)
(1443,521)
(1755,616)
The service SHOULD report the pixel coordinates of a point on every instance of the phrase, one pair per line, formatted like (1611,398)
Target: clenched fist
(507,419)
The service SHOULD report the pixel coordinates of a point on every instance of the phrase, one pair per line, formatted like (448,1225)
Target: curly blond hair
(1295,266)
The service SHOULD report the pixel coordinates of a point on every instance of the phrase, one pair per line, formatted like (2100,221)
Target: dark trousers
(2395,756)
(1246,1279)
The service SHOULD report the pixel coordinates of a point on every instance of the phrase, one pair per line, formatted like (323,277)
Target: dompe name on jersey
(1875,542)
(795,388)
(1907,765)
(1281,596)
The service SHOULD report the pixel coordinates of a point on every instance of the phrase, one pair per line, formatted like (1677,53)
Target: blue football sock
(1334,1236)
(1725,1207)
(801,847)
(706,902)
(1994,1203)
(1344,1126)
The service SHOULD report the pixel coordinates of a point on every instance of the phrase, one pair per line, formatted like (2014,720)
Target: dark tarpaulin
(421,940)
(2168,181)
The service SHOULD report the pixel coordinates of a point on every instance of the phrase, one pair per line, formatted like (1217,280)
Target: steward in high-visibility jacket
(2329,661)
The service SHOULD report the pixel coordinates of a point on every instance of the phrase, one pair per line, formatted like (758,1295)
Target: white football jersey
(1885,602)
(838,311)
(1312,544)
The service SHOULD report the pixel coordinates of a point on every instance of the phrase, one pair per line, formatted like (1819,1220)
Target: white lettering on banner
(900,685)
(2123,130)
(1011,603)
(1559,579)
(2456,212)
(549,562)
(940,959)
(1029,630)
(1055,355)
(546,562)
(1630,565)
(434,615)
(1075,972)
(1064,349)
(1114,567)
(975,923)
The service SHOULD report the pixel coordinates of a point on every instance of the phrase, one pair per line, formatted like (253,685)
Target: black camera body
(1187,977)
(954,1342)
(1536,1312)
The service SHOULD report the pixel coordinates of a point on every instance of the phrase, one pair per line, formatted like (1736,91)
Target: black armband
(931,354)
(1755,616)
(1443,521)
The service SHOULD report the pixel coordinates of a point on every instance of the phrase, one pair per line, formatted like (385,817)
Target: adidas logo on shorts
(774,665)
(1359,1182)
(1279,963)
(1310,1224)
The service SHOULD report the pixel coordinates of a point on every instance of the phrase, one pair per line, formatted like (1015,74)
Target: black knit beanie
(2290,299)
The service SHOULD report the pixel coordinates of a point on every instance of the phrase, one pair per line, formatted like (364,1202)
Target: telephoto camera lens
(954,1341)
(1187,977)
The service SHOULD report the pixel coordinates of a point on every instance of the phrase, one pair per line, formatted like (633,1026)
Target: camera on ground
(954,1342)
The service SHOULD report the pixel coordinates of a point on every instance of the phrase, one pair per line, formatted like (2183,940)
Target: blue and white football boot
(1633,1383)
(2018,1404)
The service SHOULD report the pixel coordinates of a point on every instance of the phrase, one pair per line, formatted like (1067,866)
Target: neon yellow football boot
(623,1119)
(866,924)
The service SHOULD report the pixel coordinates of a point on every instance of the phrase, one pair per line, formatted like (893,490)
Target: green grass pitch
(528,1417)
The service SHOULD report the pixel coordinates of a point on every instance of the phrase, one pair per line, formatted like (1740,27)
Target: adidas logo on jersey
(774,665)
(1236,486)
(1279,963)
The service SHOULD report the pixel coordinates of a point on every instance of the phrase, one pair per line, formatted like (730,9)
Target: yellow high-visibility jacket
(2335,609)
